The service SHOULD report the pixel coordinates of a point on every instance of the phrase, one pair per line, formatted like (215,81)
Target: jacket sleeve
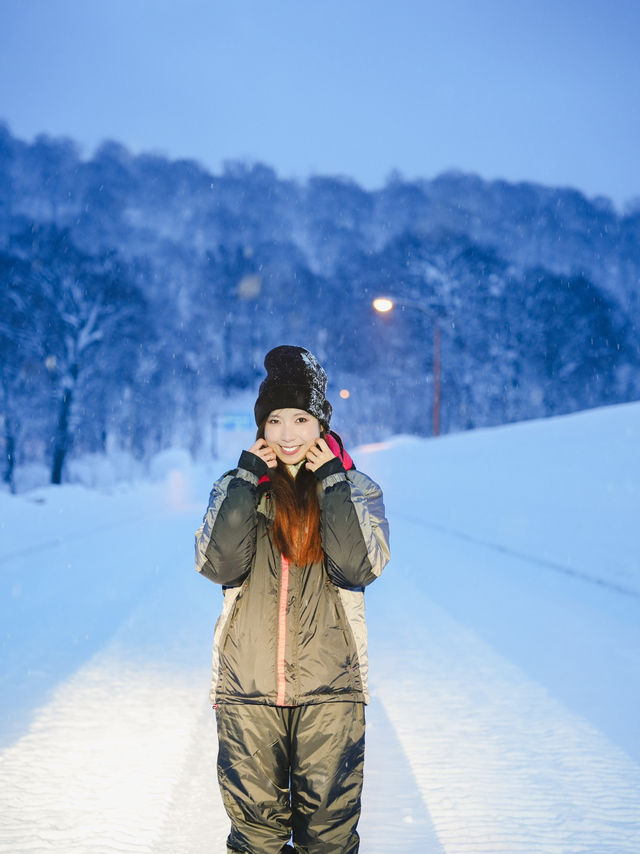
(226,540)
(355,531)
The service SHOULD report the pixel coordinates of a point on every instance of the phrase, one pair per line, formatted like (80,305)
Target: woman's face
(291,432)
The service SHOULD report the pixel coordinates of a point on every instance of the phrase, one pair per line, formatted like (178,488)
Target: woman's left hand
(318,454)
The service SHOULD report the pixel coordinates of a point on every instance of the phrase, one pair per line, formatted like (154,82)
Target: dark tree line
(137,293)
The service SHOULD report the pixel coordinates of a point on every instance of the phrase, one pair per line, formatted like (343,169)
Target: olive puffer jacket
(291,635)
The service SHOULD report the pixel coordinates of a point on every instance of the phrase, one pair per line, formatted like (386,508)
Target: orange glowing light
(383,304)
(345,393)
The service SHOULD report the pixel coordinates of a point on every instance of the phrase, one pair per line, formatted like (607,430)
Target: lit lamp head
(382,304)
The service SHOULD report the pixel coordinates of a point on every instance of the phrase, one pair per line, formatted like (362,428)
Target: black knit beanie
(295,380)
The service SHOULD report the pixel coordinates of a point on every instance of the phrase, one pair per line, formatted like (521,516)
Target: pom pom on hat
(295,380)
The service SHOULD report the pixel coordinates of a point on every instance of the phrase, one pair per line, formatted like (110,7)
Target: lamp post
(385,304)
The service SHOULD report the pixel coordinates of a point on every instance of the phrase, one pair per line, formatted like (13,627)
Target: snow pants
(291,771)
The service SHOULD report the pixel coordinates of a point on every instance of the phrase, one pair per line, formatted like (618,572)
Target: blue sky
(545,91)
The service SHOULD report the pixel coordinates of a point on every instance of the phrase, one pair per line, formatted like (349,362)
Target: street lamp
(385,304)
(382,304)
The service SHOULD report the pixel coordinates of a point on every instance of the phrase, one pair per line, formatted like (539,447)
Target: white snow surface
(504,641)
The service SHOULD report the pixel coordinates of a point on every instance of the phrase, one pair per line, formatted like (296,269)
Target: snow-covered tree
(89,319)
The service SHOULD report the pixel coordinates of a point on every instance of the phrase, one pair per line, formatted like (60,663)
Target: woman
(293,534)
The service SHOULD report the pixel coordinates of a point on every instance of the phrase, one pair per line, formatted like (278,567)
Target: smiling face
(291,432)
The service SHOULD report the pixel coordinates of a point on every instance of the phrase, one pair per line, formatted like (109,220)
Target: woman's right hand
(265,452)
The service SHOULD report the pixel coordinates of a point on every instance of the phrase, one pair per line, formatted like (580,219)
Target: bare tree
(89,319)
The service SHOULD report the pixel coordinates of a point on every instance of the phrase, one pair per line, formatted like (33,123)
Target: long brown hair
(296,525)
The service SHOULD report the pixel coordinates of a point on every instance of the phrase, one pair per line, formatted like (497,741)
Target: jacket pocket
(219,674)
(350,654)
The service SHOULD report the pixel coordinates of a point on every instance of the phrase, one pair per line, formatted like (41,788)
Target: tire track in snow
(73,537)
(55,613)
(501,765)
(98,767)
(507,550)
(394,814)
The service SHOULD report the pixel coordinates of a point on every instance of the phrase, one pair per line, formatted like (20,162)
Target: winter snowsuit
(289,659)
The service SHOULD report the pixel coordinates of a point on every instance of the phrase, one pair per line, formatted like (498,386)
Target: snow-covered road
(505,693)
